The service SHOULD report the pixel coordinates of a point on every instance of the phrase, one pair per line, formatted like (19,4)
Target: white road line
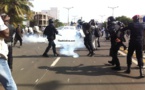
(54,63)
(133,60)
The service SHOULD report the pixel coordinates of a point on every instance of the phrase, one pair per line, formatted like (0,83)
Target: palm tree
(16,9)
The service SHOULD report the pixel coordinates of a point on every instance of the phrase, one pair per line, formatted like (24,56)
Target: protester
(9,40)
(6,78)
(18,35)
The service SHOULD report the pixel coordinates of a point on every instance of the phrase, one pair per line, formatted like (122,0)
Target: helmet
(136,18)
(50,21)
(111,18)
(144,19)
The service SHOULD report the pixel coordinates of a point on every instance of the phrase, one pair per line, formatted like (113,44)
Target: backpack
(97,32)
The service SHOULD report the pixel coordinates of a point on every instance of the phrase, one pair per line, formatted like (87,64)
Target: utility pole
(102,18)
(113,9)
(68,8)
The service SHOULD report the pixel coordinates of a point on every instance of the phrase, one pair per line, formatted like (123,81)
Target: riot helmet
(50,21)
(135,18)
(111,19)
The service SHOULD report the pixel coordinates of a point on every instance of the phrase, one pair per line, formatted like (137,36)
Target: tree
(124,19)
(58,23)
(18,10)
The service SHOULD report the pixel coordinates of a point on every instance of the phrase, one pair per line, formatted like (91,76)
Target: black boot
(111,62)
(141,72)
(56,54)
(128,70)
(92,54)
(89,54)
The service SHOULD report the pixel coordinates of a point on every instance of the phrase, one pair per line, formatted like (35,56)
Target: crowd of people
(116,30)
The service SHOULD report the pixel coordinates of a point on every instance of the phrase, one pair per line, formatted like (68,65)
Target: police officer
(9,40)
(135,43)
(88,38)
(116,41)
(50,31)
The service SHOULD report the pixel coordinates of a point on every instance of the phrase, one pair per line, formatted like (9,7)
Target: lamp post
(68,8)
(113,9)
(102,17)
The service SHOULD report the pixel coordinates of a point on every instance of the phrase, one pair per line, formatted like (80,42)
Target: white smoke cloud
(68,40)
(34,38)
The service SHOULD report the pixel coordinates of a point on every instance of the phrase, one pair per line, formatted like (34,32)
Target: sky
(91,9)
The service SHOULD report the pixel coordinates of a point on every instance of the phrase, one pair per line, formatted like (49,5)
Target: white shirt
(3,45)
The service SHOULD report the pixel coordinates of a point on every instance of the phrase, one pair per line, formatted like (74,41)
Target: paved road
(34,72)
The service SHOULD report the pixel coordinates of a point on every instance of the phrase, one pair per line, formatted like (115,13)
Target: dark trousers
(18,38)
(88,43)
(10,57)
(51,43)
(135,46)
(114,51)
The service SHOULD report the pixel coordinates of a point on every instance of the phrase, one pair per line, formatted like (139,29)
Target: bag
(97,32)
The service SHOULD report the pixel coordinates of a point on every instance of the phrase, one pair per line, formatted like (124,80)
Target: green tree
(18,10)
(124,19)
(58,23)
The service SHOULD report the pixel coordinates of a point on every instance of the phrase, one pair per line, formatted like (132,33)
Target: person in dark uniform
(9,40)
(116,41)
(50,31)
(135,43)
(18,35)
(88,38)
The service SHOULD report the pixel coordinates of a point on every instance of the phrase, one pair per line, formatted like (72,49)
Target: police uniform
(135,43)
(113,29)
(50,31)
(88,38)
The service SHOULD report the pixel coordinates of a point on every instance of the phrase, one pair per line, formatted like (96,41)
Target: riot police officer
(116,41)
(50,31)
(88,38)
(135,43)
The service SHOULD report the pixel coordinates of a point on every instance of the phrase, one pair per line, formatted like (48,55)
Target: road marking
(22,69)
(55,62)
(133,60)
(68,80)
(36,80)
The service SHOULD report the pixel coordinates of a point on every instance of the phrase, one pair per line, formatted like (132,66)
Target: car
(69,35)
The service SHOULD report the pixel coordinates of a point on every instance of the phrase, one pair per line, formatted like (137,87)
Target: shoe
(111,62)
(127,71)
(116,68)
(89,54)
(56,54)
(141,73)
(99,46)
(92,54)
(45,55)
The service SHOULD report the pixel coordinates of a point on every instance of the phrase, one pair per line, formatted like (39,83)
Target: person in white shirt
(6,78)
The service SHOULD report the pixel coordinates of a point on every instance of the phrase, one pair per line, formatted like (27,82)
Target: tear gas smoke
(34,39)
(68,40)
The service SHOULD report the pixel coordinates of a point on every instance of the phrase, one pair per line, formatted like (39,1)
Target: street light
(68,8)
(113,9)
(102,17)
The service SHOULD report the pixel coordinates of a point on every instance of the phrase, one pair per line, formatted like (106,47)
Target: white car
(68,35)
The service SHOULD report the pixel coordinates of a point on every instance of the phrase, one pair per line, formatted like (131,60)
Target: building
(53,12)
(41,19)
